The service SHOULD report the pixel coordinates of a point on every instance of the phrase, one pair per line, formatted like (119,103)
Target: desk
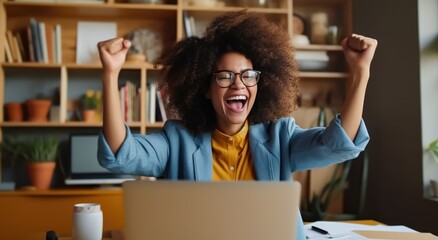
(29,214)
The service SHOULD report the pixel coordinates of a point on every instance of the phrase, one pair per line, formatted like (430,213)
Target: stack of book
(130,102)
(40,42)
(156,104)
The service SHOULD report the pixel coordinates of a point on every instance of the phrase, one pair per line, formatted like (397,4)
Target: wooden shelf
(114,11)
(315,47)
(324,75)
(64,192)
(71,124)
(128,65)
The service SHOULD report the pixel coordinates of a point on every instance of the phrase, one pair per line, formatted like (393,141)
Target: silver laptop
(188,210)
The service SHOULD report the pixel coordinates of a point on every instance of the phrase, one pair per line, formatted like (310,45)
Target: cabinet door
(27,215)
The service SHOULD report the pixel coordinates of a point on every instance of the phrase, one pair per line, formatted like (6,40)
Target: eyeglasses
(226,78)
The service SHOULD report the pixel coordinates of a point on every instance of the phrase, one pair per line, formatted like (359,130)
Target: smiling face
(234,103)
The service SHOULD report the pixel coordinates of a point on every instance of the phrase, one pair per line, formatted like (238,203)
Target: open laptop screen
(84,167)
(169,210)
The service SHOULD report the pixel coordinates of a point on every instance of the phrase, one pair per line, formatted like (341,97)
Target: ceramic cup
(87,222)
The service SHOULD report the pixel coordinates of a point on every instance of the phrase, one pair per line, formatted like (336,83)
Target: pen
(320,230)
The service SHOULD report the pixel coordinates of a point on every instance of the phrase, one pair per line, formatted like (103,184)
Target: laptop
(84,168)
(180,210)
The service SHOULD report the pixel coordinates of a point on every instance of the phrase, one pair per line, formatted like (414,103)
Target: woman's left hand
(359,51)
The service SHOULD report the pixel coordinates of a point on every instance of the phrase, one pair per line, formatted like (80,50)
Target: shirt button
(230,139)
(232,168)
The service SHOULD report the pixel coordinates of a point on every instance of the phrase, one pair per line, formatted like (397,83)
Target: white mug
(87,221)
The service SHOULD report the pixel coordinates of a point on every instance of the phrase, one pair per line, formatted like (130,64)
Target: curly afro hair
(187,69)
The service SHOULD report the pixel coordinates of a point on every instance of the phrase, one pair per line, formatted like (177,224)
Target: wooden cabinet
(29,214)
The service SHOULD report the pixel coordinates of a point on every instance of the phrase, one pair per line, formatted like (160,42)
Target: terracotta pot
(38,109)
(40,174)
(88,115)
(14,111)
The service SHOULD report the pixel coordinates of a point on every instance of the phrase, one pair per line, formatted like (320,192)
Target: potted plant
(39,155)
(433,148)
(90,101)
(38,108)
(14,111)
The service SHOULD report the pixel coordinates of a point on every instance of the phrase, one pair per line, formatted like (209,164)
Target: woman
(233,91)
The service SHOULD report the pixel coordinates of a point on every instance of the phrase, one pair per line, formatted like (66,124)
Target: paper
(344,231)
(88,35)
(397,235)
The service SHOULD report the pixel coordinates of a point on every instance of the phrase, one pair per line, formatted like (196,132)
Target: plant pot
(88,115)
(40,174)
(14,111)
(38,109)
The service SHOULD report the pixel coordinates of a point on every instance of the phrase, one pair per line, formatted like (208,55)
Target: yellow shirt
(232,156)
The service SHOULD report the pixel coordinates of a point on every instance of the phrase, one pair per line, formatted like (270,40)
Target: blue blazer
(277,149)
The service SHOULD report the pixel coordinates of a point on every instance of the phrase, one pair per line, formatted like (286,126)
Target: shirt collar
(237,138)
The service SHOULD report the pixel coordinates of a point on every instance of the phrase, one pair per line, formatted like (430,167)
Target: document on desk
(347,231)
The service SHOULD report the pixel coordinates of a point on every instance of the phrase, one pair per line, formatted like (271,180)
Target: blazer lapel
(202,158)
(260,155)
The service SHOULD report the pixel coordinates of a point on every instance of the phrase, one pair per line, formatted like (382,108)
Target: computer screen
(84,167)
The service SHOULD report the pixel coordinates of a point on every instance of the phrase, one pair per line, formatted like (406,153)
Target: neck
(231,129)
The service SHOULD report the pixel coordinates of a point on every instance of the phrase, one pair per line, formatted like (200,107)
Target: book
(16,49)
(30,44)
(43,41)
(192,26)
(22,49)
(187,24)
(58,44)
(152,102)
(161,106)
(8,53)
(10,40)
(50,40)
(35,40)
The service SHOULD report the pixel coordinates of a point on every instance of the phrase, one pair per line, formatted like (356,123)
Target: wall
(428,32)
(393,116)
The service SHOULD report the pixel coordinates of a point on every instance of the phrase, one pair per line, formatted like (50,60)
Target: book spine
(8,53)
(58,44)
(50,42)
(30,44)
(17,49)
(36,42)
(152,102)
(187,25)
(10,40)
(21,47)
(43,42)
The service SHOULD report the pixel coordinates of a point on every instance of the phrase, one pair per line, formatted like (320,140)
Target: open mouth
(236,103)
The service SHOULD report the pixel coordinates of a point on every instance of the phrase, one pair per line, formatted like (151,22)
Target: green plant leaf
(32,150)
(433,148)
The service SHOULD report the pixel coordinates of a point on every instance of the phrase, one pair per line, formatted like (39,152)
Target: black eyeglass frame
(233,77)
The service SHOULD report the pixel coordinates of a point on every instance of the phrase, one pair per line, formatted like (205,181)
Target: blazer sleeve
(138,155)
(321,147)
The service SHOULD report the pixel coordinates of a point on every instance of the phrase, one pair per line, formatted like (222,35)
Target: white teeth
(237,98)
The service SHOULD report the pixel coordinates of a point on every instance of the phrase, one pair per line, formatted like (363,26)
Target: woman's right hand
(112,54)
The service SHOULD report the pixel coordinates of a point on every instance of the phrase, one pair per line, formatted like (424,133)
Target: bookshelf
(66,80)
